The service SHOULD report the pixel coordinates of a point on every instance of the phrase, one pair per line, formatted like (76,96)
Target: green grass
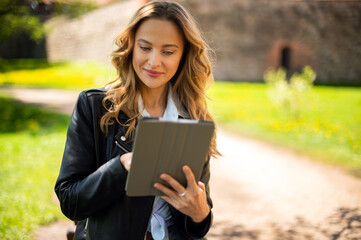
(329,127)
(39,73)
(32,140)
(31,145)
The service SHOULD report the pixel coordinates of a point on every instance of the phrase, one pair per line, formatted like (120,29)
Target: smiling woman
(156,57)
(163,71)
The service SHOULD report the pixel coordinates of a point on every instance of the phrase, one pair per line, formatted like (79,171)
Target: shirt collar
(170,112)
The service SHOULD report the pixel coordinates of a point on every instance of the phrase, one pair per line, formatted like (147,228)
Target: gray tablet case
(162,146)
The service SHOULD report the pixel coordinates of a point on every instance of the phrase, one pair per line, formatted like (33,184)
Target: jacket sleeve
(82,187)
(185,224)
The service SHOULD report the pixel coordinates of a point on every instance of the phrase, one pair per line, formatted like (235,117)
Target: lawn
(31,145)
(328,128)
(32,140)
(67,75)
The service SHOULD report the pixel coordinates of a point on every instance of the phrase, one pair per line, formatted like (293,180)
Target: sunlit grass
(31,145)
(77,75)
(32,140)
(328,128)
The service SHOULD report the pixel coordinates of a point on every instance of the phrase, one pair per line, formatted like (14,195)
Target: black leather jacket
(92,180)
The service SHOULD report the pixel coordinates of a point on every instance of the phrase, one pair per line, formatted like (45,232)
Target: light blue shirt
(161,216)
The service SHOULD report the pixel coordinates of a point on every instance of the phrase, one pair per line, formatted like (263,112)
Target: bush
(291,96)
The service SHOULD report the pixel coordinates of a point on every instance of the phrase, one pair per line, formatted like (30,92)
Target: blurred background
(286,97)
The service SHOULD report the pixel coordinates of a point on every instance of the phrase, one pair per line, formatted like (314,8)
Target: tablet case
(162,146)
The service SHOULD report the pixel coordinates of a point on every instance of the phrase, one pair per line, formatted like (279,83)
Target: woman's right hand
(126,160)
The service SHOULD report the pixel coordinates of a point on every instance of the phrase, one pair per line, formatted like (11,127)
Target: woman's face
(158,49)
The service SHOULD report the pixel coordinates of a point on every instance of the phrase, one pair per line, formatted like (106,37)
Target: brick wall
(247,36)
(90,37)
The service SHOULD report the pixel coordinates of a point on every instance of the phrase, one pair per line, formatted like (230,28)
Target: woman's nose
(154,59)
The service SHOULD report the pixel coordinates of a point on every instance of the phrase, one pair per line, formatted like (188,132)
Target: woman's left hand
(191,201)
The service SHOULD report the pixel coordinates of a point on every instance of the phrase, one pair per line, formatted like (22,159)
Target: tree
(17,16)
(27,16)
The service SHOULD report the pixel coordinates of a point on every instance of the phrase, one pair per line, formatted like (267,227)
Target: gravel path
(260,191)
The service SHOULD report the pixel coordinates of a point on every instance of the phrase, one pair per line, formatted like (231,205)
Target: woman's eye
(168,52)
(144,48)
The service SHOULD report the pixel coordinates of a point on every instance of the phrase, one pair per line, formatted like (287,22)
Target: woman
(163,71)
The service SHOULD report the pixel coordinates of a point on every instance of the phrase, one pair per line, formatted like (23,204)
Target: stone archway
(285,60)
(291,55)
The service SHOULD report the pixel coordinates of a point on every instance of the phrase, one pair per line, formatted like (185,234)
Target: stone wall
(248,36)
(90,37)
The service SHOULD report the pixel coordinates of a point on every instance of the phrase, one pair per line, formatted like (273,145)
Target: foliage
(27,16)
(73,9)
(16,117)
(61,75)
(328,129)
(7,65)
(16,17)
(31,145)
(293,95)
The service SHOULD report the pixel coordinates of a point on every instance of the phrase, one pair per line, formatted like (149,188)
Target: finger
(191,181)
(168,192)
(174,183)
(128,155)
(202,186)
(126,160)
(171,201)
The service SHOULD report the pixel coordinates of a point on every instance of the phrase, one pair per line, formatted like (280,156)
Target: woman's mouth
(152,73)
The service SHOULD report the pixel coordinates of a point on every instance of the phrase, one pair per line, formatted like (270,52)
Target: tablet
(165,146)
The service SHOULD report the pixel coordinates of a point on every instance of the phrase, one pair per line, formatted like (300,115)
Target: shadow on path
(344,223)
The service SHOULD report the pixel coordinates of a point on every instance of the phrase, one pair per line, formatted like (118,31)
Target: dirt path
(263,192)
(259,191)
(53,99)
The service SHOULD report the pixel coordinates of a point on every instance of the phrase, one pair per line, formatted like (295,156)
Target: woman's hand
(126,160)
(191,201)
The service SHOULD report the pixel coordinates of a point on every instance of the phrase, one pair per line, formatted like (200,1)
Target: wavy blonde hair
(189,84)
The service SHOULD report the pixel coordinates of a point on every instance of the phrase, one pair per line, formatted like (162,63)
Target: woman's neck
(155,100)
